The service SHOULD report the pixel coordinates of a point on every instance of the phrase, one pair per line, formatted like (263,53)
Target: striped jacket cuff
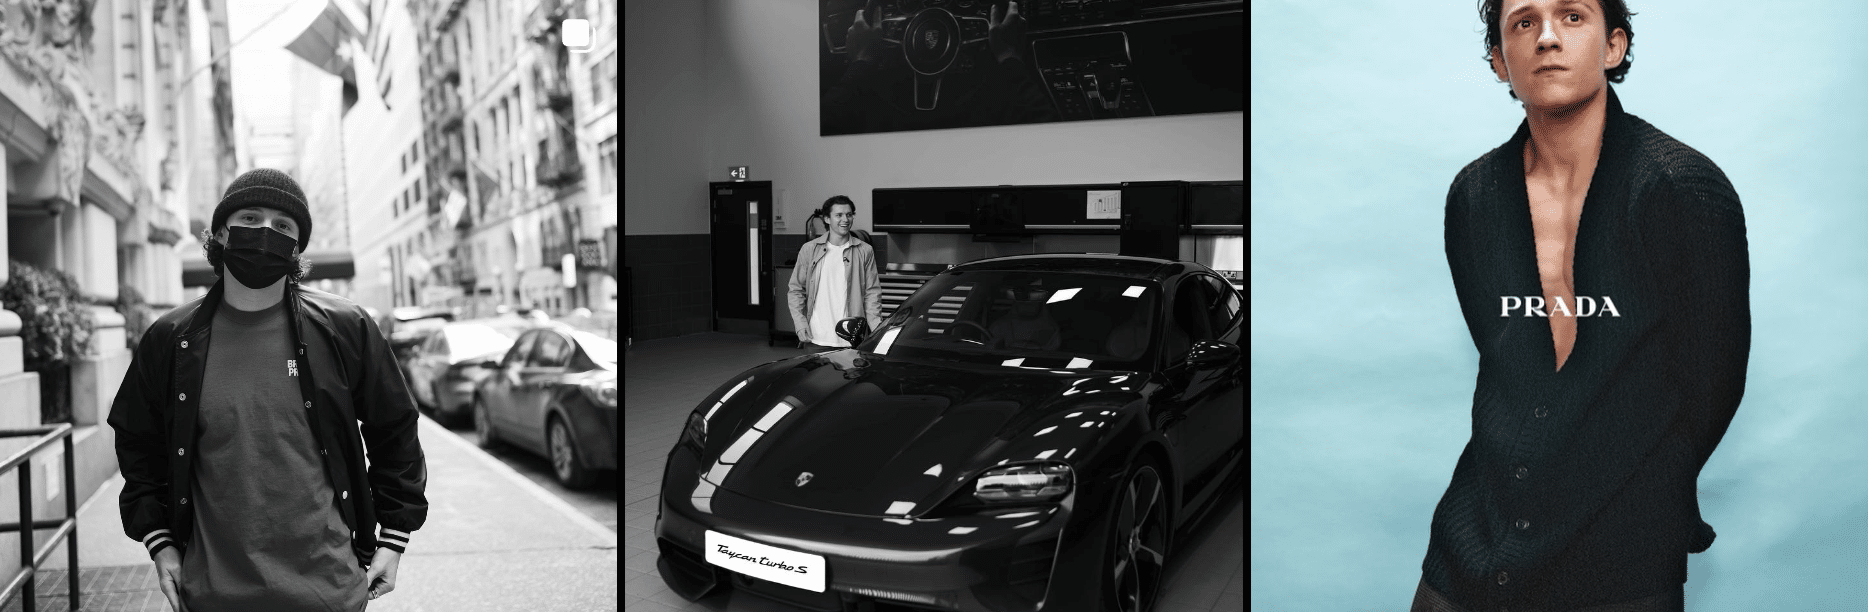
(156,540)
(393,540)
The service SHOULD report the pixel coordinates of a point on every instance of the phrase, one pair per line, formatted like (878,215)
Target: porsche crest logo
(931,38)
(803,477)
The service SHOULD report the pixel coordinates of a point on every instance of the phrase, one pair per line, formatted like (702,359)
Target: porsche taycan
(1022,433)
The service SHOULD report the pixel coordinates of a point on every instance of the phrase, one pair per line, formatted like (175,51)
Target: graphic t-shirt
(268,534)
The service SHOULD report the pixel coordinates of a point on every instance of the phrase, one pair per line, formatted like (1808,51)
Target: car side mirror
(491,364)
(1208,355)
(853,330)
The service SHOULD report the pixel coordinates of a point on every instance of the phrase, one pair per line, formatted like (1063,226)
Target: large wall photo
(897,65)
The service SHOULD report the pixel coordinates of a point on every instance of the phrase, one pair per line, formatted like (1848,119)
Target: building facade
(118,118)
(447,284)
(386,170)
(515,127)
(594,80)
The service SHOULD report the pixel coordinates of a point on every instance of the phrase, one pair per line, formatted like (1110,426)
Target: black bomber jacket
(350,378)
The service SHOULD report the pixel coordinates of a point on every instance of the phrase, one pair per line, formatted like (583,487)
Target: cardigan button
(184,501)
(1542,411)
(180,452)
(1524,524)
(346,495)
(1522,471)
(184,344)
(307,404)
(184,397)
(1503,578)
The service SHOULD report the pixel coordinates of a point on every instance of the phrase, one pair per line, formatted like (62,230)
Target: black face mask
(258,257)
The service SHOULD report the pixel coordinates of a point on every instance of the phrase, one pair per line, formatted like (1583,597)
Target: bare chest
(1554,219)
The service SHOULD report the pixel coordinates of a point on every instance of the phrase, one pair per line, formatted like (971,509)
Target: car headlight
(1032,482)
(696,432)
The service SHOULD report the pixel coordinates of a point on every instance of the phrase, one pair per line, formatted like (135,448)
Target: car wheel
(442,416)
(564,462)
(483,424)
(1139,540)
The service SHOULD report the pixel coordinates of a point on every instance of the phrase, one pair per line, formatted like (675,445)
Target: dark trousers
(1428,600)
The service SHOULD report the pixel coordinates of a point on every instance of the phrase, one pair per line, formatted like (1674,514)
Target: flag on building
(322,42)
(378,41)
(326,43)
(456,204)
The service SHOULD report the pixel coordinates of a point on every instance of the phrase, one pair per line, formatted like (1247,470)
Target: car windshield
(419,327)
(601,350)
(1043,320)
(471,340)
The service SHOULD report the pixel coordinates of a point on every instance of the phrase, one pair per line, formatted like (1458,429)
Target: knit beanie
(270,188)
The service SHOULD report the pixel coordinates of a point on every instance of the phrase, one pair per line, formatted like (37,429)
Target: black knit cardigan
(1578,486)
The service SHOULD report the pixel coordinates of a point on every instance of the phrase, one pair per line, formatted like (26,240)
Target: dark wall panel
(671,296)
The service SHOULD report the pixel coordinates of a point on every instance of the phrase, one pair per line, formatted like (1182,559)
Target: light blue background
(1362,374)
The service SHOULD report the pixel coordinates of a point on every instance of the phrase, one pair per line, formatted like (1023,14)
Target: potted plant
(136,314)
(55,330)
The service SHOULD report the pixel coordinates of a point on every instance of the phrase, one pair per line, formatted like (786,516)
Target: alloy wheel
(482,423)
(434,391)
(564,457)
(1141,541)
(560,451)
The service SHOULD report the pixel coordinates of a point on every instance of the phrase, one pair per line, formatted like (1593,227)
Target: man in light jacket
(835,279)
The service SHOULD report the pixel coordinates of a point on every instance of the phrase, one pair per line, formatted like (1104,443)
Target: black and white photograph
(309,305)
(899,65)
(905,331)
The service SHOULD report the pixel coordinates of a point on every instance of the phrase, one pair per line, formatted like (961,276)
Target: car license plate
(786,567)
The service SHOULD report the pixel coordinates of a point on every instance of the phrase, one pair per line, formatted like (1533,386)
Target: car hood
(885,437)
(470,358)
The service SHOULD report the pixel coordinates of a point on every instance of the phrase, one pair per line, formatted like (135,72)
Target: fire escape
(558,166)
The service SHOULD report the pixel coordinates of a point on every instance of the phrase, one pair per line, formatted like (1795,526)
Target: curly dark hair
(1615,10)
(834,201)
(214,247)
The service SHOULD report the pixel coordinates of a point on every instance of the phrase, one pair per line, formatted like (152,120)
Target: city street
(493,541)
(598,503)
(275,173)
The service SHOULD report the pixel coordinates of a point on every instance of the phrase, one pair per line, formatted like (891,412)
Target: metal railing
(67,527)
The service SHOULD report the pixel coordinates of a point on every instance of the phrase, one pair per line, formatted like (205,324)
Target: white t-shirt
(833,291)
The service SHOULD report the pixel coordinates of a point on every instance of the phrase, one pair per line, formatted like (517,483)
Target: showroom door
(742,256)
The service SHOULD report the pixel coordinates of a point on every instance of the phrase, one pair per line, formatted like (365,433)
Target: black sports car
(1022,433)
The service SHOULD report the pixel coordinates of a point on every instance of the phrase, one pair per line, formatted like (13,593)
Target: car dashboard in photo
(1096,58)
(1023,433)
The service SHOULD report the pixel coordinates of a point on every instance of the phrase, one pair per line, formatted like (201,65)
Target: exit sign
(737,172)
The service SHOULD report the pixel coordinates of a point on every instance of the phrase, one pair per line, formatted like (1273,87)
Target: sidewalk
(494,541)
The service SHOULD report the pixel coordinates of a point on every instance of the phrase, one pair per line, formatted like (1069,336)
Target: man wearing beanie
(243,422)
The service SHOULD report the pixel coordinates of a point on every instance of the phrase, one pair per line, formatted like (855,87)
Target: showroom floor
(664,379)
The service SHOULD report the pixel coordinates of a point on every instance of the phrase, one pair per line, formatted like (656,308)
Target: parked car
(553,393)
(406,334)
(1023,432)
(443,368)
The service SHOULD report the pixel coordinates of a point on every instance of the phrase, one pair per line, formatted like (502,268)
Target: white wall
(664,157)
(734,83)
